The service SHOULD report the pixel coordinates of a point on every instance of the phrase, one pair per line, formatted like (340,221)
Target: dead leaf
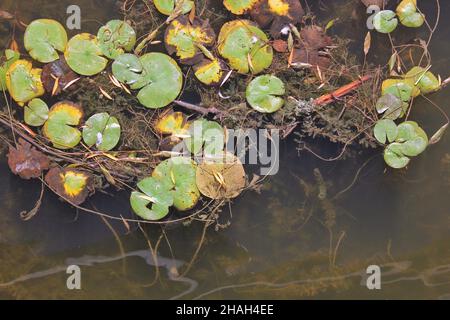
(26,161)
(57,70)
(367,43)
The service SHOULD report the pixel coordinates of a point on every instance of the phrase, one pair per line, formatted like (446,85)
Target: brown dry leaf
(221,178)
(367,43)
(5,15)
(280,45)
(26,161)
(57,70)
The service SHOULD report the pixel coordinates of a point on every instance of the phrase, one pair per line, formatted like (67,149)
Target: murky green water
(279,244)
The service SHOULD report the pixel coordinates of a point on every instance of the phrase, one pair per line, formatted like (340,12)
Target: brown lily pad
(277,14)
(57,70)
(71,184)
(26,161)
(280,45)
(222,178)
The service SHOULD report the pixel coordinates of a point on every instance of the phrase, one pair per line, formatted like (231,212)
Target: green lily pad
(24,82)
(9,58)
(184,38)
(408,14)
(154,192)
(210,72)
(385,130)
(44,38)
(167,6)
(84,56)
(36,113)
(413,139)
(127,68)
(239,7)
(207,136)
(115,38)
(59,128)
(385,21)
(263,93)
(179,174)
(101,130)
(245,46)
(426,81)
(392,107)
(394,157)
(399,88)
(160,82)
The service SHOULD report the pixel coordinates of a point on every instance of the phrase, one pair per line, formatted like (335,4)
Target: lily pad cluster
(398,92)
(406,13)
(173,183)
(404,141)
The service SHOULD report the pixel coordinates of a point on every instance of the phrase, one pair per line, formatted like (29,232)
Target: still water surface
(278,245)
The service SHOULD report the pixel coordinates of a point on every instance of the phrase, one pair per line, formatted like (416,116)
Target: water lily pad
(101,130)
(84,56)
(385,21)
(264,93)
(179,174)
(392,106)
(26,161)
(245,46)
(385,130)
(71,184)
(7,60)
(184,38)
(44,38)
(36,112)
(408,14)
(161,80)
(154,193)
(413,139)
(207,136)
(221,178)
(60,71)
(59,128)
(394,157)
(24,82)
(171,123)
(425,80)
(127,68)
(115,38)
(400,88)
(167,6)
(239,7)
(210,72)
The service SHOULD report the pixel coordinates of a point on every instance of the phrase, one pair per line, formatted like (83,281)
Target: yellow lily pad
(24,82)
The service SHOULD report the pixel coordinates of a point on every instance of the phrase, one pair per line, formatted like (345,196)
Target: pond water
(281,243)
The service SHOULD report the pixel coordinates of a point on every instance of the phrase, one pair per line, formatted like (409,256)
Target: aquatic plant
(24,82)
(386,21)
(115,38)
(101,130)
(36,112)
(264,93)
(27,162)
(205,136)
(6,61)
(168,7)
(71,184)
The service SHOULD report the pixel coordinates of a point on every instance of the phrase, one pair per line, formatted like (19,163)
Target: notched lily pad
(409,15)
(221,178)
(171,123)
(385,21)
(394,157)
(385,130)
(101,130)
(44,38)
(245,46)
(59,71)
(116,38)
(392,106)
(26,161)
(127,68)
(184,38)
(239,7)
(60,127)
(24,82)
(264,93)
(167,7)
(84,56)
(153,200)
(425,80)
(207,136)
(210,72)
(71,184)
(36,112)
